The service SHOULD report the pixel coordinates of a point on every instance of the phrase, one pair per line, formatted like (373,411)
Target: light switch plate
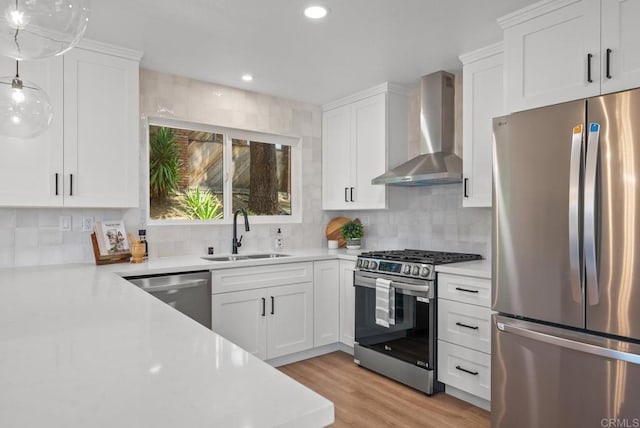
(88,222)
(65,223)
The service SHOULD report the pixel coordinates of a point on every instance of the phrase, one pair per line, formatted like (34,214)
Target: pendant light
(36,29)
(25,110)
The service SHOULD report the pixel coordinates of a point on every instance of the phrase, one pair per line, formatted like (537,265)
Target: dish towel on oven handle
(385,303)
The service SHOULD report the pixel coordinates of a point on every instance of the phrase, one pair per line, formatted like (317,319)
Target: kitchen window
(202,174)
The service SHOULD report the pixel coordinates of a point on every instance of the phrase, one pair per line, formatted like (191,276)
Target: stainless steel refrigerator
(566,265)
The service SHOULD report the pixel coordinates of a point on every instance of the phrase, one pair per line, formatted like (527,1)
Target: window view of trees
(262,177)
(186,175)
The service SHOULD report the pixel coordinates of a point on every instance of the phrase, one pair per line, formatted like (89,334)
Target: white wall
(421,217)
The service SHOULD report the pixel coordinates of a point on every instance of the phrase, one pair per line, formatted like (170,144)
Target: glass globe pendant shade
(25,110)
(36,29)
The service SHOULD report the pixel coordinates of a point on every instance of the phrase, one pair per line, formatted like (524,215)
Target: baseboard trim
(310,353)
(469,398)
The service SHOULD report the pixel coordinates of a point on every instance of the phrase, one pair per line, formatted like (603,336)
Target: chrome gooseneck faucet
(238,242)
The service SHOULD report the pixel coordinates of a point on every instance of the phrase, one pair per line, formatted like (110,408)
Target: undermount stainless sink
(236,257)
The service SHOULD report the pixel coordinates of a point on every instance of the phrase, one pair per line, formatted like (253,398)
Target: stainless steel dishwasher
(188,292)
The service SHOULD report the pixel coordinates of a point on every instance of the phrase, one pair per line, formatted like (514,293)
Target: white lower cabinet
(465,369)
(238,317)
(326,298)
(464,337)
(347,302)
(269,313)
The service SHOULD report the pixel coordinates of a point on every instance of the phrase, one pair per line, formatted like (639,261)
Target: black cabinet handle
(70,184)
(462,369)
(352,194)
(472,327)
(466,188)
(273,306)
(466,290)
(346,191)
(264,306)
(57,193)
(609,63)
(589,56)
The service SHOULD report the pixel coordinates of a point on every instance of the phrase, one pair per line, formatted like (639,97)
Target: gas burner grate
(421,256)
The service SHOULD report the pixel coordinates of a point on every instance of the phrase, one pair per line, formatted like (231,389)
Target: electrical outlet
(88,223)
(65,223)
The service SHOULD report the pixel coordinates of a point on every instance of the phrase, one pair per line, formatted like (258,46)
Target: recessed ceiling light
(247,77)
(316,12)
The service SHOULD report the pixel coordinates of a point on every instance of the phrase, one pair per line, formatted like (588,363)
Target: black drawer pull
(351,197)
(472,327)
(609,63)
(462,369)
(57,184)
(273,306)
(264,306)
(346,194)
(466,189)
(70,184)
(589,79)
(466,290)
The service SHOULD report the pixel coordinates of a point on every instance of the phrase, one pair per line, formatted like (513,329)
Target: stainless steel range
(396,314)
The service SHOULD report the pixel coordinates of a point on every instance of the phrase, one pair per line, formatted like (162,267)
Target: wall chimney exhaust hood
(439,164)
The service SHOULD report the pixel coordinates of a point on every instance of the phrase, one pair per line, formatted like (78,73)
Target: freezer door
(612,215)
(548,377)
(537,254)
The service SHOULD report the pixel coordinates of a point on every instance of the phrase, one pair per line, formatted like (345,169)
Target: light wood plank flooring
(365,399)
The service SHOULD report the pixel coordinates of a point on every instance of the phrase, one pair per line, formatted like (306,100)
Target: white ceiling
(361,42)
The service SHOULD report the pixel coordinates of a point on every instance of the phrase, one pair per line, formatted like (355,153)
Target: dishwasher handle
(178,286)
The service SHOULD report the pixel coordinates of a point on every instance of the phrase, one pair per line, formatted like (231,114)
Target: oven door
(411,339)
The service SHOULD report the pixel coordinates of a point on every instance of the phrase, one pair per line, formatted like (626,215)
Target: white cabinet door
(289,319)
(547,56)
(347,302)
(28,167)
(241,318)
(336,158)
(326,302)
(370,136)
(483,99)
(100,130)
(621,36)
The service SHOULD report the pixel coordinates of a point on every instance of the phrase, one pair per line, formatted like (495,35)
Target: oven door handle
(371,283)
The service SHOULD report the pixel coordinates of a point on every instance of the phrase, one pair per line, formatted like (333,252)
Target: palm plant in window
(201,204)
(164,162)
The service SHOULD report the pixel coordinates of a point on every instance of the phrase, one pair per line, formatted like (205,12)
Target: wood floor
(365,399)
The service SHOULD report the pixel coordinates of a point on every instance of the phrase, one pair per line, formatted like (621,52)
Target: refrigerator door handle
(586,348)
(575,260)
(590,254)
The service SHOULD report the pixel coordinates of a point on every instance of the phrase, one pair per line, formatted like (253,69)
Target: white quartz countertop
(477,268)
(82,347)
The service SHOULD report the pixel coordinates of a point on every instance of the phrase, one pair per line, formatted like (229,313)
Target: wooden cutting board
(333,230)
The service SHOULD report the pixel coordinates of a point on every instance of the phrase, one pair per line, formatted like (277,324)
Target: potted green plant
(352,232)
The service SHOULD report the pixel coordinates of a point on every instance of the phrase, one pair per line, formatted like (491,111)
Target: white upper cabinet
(552,53)
(88,157)
(100,130)
(620,45)
(29,168)
(557,51)
(483,99)
(355,134)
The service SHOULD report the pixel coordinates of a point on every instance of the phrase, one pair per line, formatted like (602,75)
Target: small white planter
(353,244)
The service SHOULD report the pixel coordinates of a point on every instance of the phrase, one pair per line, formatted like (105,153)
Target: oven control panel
(415,270)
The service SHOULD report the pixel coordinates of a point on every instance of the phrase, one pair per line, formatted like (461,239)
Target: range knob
(415,270)
(359,264)
(406,270)
(373,265)
(424,272)
(365,264)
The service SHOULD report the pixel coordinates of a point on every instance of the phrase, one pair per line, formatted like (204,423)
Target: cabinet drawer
(465,289)
(453,360)
(465,324)
(237,279)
